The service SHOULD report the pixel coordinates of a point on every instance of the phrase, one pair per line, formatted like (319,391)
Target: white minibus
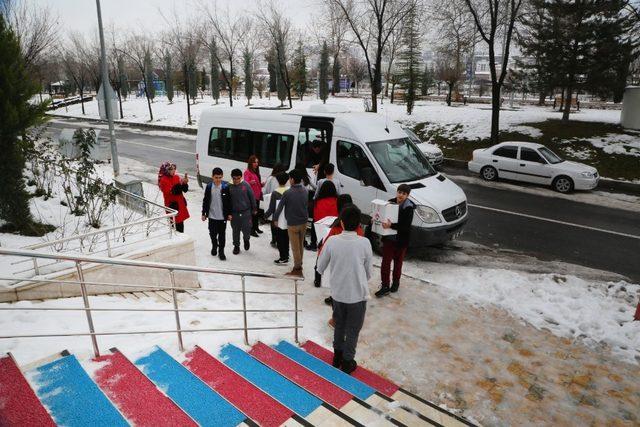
(372,157)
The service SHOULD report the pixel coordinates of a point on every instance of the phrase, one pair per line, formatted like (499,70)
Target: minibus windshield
(401,160)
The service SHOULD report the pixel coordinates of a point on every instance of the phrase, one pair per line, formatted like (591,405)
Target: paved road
(549,228)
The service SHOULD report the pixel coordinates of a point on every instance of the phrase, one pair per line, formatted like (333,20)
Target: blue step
(202,404)
(271,382)
(328,372)
(71,397)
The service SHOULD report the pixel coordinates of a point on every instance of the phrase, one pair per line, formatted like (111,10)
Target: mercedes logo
(458,211)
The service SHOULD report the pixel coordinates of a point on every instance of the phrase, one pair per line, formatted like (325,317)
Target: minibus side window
(238,144)
(272,148)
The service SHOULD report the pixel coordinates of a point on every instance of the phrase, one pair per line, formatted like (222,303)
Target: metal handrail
(171,269)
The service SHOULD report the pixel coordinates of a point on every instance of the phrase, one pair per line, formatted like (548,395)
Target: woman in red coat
(252,177)
(172,187)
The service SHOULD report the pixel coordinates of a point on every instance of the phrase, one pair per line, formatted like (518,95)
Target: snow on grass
(618,144)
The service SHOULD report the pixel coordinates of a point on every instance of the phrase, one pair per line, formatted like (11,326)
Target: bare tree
(372,22)
(390,53)
(455,35)
(73,65)
(136,47)
(490,16)
(274,22)
(357,70)
(229,31)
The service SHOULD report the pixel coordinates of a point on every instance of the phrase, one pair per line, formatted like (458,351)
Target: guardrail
(79,260)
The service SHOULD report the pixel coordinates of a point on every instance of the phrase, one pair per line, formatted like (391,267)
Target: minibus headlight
(427,214)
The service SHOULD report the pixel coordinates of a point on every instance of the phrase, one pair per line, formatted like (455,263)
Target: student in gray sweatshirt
(243,204)
(350,259)
(295,202)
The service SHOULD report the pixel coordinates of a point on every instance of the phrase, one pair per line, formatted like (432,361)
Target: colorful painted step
(379,383)
(137,398)
(336,376)
(193,396)
(272,383)
(71,397)
(259,406)
(409,401)
(19,405)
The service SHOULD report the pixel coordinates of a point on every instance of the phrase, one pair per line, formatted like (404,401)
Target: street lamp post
(106,90)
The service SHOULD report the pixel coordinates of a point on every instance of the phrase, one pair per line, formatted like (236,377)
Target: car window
(530,155)
(354,163)
(239,144)
(509,151)
(551,157)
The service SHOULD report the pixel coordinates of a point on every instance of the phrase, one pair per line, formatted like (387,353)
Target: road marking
(586,227)
(155,146)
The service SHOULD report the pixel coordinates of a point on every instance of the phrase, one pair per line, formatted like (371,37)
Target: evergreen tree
(248,75)
(18,114)
(280,86)
(168,76)
(271,67)
(193,82)
(123,80)
(203,80)
(215,72)
(335,86)
(324,73)
(148,69)
(426,80)
(410,59)
(299,75)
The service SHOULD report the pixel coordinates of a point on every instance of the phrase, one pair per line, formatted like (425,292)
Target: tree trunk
(82,100)
(120,102)
(541,97)
(185,71)
(495,113)
(449,94)
(567,104)
(393,92)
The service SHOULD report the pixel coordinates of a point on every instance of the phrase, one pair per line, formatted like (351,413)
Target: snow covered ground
(595,311)
(475,119)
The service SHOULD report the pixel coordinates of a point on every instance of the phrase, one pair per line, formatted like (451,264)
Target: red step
(373,380)
(137,398)
(249,399)
(313,383)
(19,405)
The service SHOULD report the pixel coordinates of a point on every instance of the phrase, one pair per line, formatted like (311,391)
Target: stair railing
(83,260)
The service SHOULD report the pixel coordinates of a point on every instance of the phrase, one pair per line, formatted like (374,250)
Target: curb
(189,131)
(604,184)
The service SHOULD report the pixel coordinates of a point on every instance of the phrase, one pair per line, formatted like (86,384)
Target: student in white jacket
(350,258)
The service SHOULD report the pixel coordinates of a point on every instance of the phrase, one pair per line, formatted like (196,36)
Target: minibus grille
(455,212)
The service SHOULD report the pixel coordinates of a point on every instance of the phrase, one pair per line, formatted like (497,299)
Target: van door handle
(495,161)
(522,164)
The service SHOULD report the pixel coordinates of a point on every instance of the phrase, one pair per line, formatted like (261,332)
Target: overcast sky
(80,15)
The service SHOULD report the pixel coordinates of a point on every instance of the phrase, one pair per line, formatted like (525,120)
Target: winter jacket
(327,206)
(172,189)
(296,199)
(253,179)
(226,200)
(403,226)
(242,198)
(275,196)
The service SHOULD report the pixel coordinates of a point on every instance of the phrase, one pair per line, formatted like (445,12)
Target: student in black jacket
(394,247)
(216,206)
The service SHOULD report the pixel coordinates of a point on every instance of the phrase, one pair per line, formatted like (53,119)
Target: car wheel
(489,173)
(563,184)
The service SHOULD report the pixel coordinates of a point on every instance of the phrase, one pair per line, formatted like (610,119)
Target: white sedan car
(433,153)
(535,163)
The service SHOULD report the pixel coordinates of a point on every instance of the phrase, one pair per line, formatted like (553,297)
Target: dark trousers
(241,222)
(282,241)
(217,230)
(273,233)
(349,319)
(391,252)
(180,227)
(254,218)
(314,237)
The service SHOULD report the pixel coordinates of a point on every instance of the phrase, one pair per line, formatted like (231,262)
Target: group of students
(345,252)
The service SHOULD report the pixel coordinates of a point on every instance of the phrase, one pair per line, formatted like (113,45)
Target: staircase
(266,386)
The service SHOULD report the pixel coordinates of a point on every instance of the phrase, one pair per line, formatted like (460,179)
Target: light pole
(106,91)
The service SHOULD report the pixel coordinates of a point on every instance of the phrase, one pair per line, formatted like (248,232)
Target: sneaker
(394,287)
(296,272)
(328,301)
(236,249)
(383,291)
(254,234)
(337,358)
(246,245)
(222,256)
(214,251)
(348,366)
(281,261)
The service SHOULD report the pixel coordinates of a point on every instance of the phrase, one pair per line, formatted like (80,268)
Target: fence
(81,260)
